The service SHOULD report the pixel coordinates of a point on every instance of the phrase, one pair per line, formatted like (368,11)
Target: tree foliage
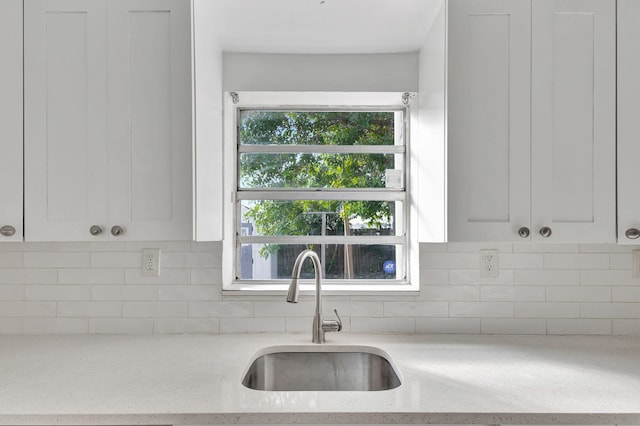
(315,170)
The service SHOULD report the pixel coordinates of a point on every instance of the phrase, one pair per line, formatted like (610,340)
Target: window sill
(307,287)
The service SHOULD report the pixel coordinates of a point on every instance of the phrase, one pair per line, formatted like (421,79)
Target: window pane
(319,170)
(359,262)
(318,217)
(259,127)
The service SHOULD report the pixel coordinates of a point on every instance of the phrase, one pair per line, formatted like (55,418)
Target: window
(322,171)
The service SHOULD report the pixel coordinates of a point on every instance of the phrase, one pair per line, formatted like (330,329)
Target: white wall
(395,72)
(98,288)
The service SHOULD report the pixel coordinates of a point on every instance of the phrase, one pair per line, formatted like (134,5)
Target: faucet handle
(332,325)
(339,320)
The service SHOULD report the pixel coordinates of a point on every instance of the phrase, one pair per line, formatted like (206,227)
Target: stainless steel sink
(326,368)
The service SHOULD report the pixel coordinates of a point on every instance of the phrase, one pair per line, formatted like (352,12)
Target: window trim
(361,101)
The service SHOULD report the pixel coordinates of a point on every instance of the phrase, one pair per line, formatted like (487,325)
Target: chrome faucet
(320,326)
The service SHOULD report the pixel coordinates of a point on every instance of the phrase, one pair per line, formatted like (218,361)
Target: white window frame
(234,102)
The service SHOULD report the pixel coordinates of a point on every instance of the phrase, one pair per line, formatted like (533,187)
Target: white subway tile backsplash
(448,325)
(546,310)
(576,261)
(481,309)
(546,277)
(472,276)
(520,260)
(11,326)
(187,325)
(452,292)
(116,260)
(57,260)
(220,309)
(607,277)
(121,292)
(383,325)
(154,309)
(252,325)
(24,309)
(579,326)
(513,326)
(90,276)
(98,287)
(512,293)
(90,309)
(189,292)
(57,292)
(28,276)
(626,327)
(121,325)
(56,325)
(416,309)
(11,259)
(167,276)
(625,294)
(610,310)
(451,260)
(578,294)
(11,292)
(620,260)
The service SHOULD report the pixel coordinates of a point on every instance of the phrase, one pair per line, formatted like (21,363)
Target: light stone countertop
(164,380)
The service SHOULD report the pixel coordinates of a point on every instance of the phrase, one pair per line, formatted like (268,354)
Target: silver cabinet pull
(8,231)
(632,233)
(523,232)
(116,231)
(95,230)
(545,231)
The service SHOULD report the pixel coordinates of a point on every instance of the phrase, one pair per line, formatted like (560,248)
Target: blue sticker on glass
(389,267)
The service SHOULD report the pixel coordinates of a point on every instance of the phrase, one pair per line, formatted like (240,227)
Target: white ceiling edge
(317,26)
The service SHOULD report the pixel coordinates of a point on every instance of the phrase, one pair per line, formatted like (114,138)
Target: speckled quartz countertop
(180,380)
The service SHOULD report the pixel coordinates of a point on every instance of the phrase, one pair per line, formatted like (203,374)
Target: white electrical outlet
(151,262)
(488,263)
(635,272)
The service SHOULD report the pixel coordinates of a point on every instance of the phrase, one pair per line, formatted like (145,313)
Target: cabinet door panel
(628,115)
(573,120)
(150,118)
(65,119)
(11,118)
(488,119)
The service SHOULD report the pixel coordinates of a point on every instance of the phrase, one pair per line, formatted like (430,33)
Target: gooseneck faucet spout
(320,326)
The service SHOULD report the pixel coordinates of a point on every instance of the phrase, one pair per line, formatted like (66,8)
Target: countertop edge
(515,418)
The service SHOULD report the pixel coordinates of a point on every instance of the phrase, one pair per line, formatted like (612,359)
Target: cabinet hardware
(632,233)
(545,231)
(95,230)
(523,232)
(8,231)
(116,231)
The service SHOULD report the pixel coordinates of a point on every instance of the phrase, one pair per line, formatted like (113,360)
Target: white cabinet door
(488,119)
(573,120)
(150,141)
(65,93)
(108,119)
(11,121)
(628,117)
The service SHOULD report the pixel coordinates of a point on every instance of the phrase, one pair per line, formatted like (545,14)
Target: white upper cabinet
(108,144)
(531,120)
(573,139)
(628,120)
(150,141)
(488,118)
(11,121)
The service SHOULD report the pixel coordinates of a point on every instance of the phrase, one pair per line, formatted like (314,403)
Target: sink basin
(321,368)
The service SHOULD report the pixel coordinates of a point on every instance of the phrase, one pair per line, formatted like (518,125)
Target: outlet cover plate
(488,263)
(151,262)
